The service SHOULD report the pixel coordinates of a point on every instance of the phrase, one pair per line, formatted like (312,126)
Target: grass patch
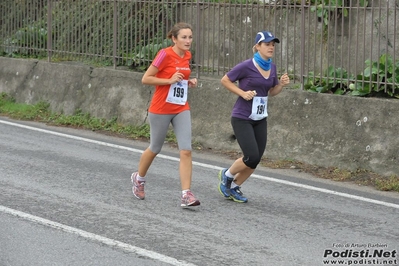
(360,176)
(40,112)
(388,184)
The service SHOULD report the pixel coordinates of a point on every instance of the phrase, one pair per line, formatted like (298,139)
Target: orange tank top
(168,62)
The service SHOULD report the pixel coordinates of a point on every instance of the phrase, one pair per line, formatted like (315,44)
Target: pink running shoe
(138,186)
(188,200)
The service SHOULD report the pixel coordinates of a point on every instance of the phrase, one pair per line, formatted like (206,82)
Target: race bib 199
(178,93)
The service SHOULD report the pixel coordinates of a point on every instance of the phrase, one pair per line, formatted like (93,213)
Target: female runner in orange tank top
(170,74)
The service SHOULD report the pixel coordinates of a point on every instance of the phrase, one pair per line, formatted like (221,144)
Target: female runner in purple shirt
(257,80)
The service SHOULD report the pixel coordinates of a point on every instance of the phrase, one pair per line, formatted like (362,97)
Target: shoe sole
(220,179)
(195,204)
(134,194)
(236,200)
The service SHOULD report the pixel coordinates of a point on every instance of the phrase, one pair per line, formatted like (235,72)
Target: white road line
(97,238)
(209,166)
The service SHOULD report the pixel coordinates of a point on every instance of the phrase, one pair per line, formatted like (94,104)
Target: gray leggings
(159,125)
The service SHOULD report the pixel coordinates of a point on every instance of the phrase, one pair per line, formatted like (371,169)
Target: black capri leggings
(252,137)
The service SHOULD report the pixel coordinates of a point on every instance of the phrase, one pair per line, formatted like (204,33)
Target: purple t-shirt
(249,78)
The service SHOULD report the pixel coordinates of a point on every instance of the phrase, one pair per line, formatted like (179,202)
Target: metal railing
(355,44)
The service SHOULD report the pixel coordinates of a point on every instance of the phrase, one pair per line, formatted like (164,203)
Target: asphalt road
(65,199)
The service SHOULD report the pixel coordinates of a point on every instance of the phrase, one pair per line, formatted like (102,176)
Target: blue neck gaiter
(264,64)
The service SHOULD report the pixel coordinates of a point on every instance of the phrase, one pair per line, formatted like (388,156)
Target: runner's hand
(176,77)
(284,79)
(192,83)
(248,95)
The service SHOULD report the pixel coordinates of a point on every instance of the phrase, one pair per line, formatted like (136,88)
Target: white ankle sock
(140,178)
(228,174)
(233,185)
(184,191)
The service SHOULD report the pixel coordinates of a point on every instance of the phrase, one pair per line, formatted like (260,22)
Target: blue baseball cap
(265,36)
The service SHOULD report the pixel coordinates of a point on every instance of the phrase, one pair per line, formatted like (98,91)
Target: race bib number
(178,93)
(259,108)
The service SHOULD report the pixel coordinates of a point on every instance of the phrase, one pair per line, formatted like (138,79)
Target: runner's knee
(251,161)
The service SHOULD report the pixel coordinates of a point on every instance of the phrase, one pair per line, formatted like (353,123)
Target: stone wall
(325,130)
